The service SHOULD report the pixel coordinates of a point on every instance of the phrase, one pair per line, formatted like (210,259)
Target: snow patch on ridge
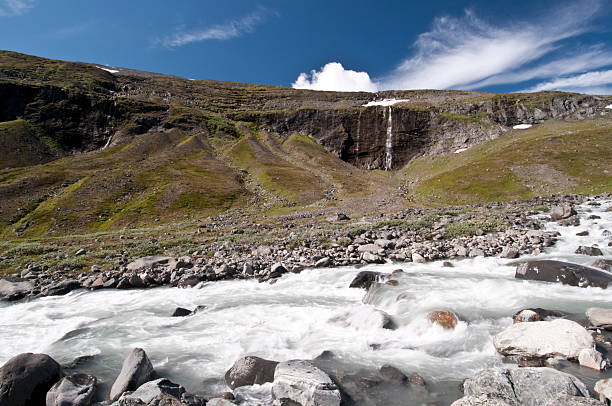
(460,150)
(108,70)
(385,102)
(522,126)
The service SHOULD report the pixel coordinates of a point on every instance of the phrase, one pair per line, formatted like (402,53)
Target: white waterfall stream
(389,142)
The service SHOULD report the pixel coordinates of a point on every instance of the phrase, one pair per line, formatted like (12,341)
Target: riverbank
(234,248)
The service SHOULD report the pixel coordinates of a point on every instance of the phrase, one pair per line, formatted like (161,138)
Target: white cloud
(15,7)
(232,29)
(469,53)
(593,59)
(333,76)
(590,82)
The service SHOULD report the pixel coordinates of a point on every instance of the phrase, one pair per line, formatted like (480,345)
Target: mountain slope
(85,150)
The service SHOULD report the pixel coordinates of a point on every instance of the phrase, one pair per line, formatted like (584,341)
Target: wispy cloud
(590,82)
(10,8)
(232,29)
(468,53)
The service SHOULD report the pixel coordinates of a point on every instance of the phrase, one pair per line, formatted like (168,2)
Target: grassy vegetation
(553,157)
(473,227)
(275,174)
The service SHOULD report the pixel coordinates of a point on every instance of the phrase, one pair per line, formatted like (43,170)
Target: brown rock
(447,320)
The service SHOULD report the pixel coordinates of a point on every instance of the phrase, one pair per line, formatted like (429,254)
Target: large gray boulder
(26,378)
(136,370)
(567,400)
(563,272)
(485,400)
(604,390)
(73,390)
(301,382)
(12,288)
(149,262)
(561,212)
(525,386)
(250,370)
(600,318)
(152,390)
(544,339)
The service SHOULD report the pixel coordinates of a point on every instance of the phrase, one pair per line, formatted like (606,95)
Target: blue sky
(331,45)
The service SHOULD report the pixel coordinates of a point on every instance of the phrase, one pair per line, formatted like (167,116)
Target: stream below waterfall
(302,315)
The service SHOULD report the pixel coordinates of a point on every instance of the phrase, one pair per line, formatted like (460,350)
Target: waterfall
(358,136)
(389,143)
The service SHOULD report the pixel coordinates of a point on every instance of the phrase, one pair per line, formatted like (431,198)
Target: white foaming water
(302,315)
(385,102)
(522,126)
(389,142)
(609,106)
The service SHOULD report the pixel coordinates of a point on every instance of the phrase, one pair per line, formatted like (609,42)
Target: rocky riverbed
(402,332)
(414,235)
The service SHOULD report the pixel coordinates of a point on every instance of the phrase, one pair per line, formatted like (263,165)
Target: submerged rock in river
(563,272)
(544,339)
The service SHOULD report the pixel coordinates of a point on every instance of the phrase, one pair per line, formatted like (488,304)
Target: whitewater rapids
(302,315)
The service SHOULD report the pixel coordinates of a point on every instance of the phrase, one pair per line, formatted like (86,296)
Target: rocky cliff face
(359,134)
(85,108)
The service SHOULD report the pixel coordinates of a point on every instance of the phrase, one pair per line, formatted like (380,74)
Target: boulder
(26,378)
(371,248)
(526,316)
(590,251)
(12,288)
(568,400)
(535,314)
(391,374)
(604,389)
(591,358)
(151,390)
(219,402)
(250,370)
(73,390)
(561,212)
(485,400)
(136,370)
(181,312)
(544,339)
(301,382)
(600,318)
(563,272)
(371,258)
(605,264)
(523,386)
(509,252)
(447,320)
(418,258)
(63,287)
(149,262)
(277,270)
(364,279)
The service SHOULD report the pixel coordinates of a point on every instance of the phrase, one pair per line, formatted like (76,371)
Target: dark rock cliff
(83,107)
